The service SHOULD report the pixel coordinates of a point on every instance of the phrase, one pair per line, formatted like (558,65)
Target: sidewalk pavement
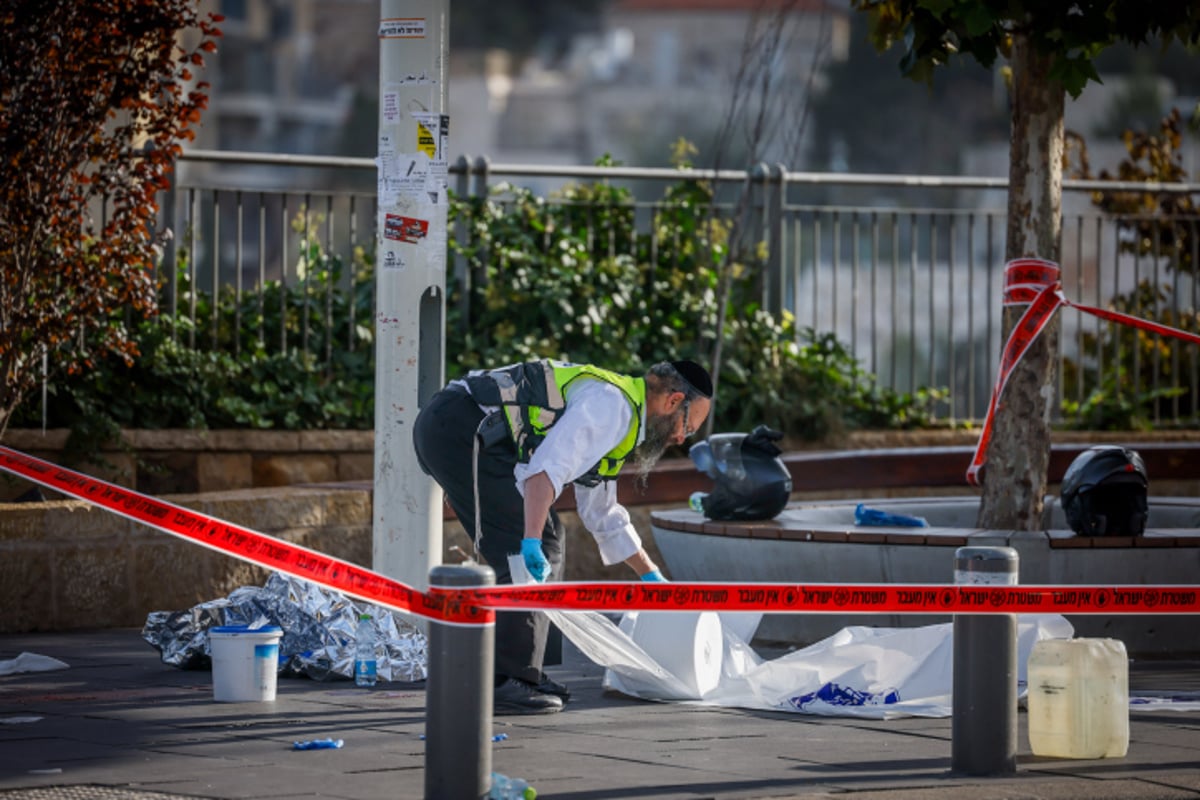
(121,725)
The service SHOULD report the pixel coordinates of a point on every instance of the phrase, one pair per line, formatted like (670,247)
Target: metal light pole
(410,279)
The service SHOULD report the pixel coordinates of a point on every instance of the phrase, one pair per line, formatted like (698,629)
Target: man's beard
(659,430)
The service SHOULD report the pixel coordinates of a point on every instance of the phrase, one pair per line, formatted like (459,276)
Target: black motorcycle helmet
(1104,492)
(750,480)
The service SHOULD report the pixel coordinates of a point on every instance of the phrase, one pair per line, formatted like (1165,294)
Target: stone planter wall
(192,462)
(65,564)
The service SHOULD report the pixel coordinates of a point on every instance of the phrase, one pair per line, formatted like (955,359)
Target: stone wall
(192,462)
(66,564)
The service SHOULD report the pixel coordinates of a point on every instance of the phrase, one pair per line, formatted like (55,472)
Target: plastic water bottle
(364,652)
(506,788)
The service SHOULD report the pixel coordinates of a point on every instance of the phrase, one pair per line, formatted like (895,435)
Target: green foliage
(320,311)
(931,32)
(192,373)
(1152,223)
(1110,408)
(570,277)
(806,384)
(1143,373)
(171,385)
(567,277)
(1155,227)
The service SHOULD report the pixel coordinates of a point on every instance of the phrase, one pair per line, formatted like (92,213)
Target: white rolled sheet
(686,644)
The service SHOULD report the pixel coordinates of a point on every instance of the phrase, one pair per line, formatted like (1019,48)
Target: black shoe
(515,696)
(551,686)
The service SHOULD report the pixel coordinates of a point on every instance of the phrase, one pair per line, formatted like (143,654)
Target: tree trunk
(1014,475)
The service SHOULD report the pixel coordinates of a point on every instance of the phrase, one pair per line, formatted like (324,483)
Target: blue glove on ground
(874,516)
(654,576)
(535,559)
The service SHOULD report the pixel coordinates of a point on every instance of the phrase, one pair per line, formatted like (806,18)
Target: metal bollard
(984,711)
(458,697)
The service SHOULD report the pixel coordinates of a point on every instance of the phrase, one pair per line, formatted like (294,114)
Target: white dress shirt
(596,419)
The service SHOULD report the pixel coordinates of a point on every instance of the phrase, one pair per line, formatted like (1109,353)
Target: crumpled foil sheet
(319,627)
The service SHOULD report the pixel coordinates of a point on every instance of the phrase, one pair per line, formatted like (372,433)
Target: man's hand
(654,576)
(535,559)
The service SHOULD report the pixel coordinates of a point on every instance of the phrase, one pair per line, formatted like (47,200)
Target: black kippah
(696,376)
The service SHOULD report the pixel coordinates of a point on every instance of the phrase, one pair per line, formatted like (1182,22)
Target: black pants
(443,436)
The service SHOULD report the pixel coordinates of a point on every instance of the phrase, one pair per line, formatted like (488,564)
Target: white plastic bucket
(245,662)
(1078,698)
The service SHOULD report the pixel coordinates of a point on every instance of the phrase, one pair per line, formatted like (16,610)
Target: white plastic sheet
(879,673)
(31,662)
(876,673)
(1170,701)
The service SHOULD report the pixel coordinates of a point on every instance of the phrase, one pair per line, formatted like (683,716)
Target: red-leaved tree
(95,98)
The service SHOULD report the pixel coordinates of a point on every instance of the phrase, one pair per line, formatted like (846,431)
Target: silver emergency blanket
(319,631)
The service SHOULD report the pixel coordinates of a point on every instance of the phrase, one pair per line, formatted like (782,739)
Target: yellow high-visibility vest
(532,396)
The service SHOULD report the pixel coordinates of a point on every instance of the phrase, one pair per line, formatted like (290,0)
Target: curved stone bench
(820,543)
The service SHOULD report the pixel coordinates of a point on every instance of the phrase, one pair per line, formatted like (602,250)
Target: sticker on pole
(433,142)
(405,229)
(392,260)
(402,28)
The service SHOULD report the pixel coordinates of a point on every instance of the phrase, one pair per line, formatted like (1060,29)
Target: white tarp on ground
(31,662)
(878,673)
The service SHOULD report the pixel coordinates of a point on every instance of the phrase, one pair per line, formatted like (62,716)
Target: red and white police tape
(1035,282)
(478,606)
(234,540)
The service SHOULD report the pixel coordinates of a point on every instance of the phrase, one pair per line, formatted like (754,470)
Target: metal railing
(905,270)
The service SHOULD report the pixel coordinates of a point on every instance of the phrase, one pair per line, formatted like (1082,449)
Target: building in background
(289,76)
(659,70)
(301,76)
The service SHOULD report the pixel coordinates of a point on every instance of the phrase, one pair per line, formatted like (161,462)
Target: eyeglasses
(688,431)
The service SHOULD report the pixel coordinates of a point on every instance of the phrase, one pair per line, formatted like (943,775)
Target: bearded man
(529,430)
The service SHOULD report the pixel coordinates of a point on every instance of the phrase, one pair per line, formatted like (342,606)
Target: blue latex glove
(654,576)
(874,516)
(535,559)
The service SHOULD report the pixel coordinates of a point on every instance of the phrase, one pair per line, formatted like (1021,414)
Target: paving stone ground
(120,725)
